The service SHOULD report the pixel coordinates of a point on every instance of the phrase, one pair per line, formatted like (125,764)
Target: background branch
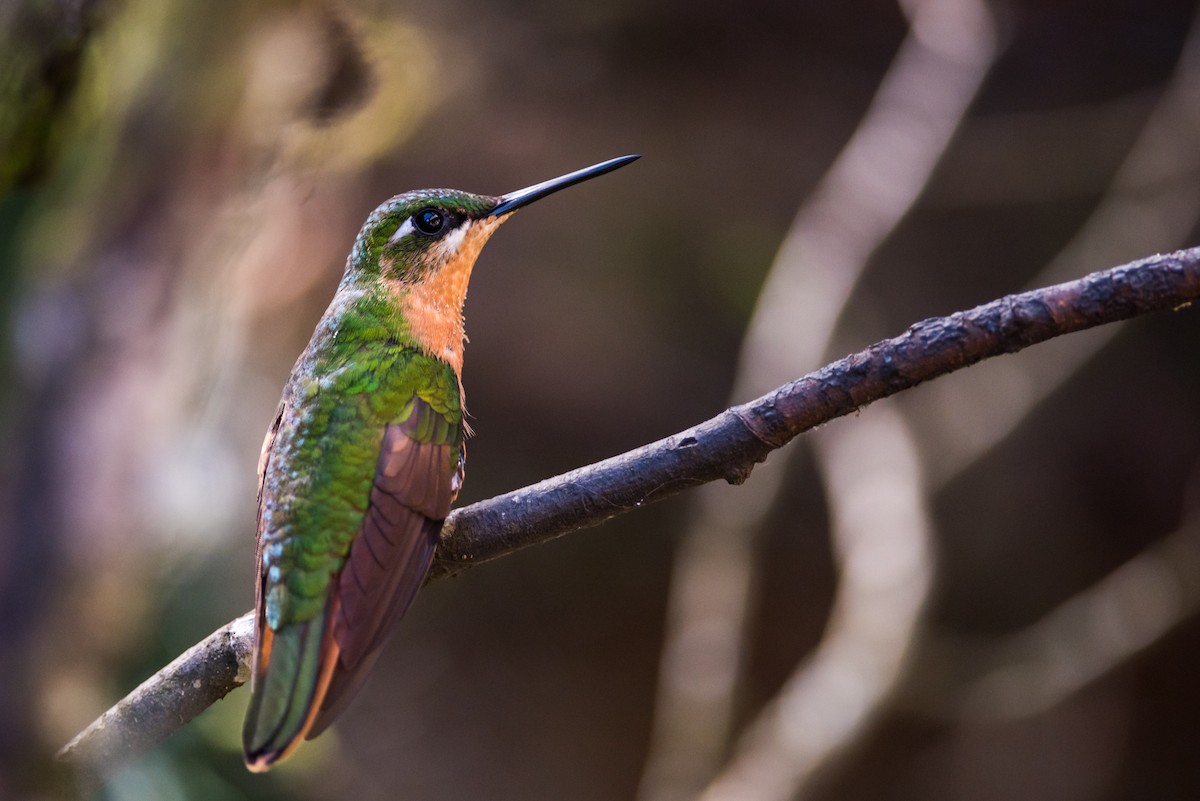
(869,189)
(1070,647)
(882,535)
(726,447)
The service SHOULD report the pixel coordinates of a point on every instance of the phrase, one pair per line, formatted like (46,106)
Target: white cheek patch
(452,240)
(404,230)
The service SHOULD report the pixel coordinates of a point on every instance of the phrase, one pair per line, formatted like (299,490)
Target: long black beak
(523,197)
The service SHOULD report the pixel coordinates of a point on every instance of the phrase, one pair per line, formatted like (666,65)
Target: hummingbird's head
(412,236)
(432,234)
(420,248)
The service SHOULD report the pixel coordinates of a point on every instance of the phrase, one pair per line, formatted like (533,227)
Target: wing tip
(261,763)
(261,760)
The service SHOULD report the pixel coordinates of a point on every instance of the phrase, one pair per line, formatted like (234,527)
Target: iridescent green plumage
(356,381)
(364,459)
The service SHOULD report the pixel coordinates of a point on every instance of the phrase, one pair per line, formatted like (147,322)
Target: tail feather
(292,672)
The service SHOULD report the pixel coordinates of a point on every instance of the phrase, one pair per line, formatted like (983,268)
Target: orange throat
(433,306)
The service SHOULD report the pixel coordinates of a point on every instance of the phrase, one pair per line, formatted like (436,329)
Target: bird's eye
(430,222)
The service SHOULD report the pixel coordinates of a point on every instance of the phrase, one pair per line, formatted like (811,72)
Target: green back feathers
(346,390)
(359,377)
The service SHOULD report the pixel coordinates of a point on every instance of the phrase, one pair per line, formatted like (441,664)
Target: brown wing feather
(411,496)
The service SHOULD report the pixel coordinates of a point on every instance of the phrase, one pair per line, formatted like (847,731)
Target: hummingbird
(365,457)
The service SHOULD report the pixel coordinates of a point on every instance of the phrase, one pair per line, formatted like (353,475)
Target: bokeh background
(180,182)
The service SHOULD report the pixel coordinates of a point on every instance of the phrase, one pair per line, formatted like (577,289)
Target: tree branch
(725,447)
(730,444)
(172,697)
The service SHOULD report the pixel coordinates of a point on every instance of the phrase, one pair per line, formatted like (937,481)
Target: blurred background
(984,589)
